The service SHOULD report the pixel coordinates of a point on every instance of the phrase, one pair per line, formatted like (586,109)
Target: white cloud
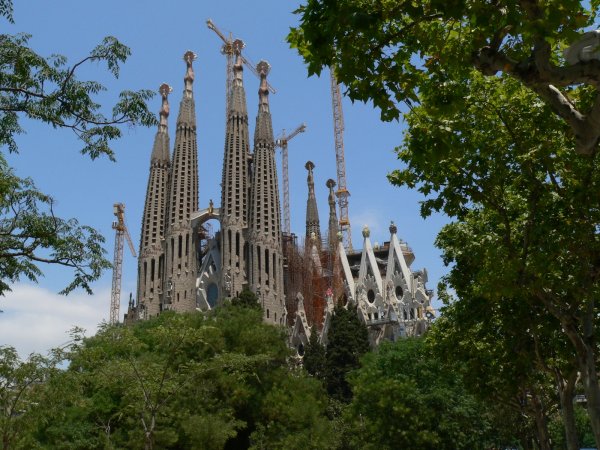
(36,320)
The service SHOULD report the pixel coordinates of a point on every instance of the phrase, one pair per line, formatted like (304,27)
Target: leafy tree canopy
(385,50)
(247,299)
(499,119)
(403,398)
(186,381)
(46,89)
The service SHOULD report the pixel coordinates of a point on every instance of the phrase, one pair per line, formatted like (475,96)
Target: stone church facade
(182,268)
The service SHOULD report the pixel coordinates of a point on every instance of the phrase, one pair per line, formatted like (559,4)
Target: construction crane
(342,192)
(228,50)
(282,142)
(121,232)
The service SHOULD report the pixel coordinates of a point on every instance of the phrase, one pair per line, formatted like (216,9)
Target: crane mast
(228,50)
(282,142)
(121,233)
(342,193)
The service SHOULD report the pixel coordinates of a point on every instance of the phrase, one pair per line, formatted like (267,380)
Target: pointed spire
(164,90)
(187,113)
(189,58)
(332,235)
(263,133)
(160,150)
(237,99)
(263,68)
(313,226)
(238,67)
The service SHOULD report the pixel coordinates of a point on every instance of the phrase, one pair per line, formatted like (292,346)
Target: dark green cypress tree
(314,356)
(347,341)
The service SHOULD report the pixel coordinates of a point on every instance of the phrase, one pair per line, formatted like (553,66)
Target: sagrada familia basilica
(184,267)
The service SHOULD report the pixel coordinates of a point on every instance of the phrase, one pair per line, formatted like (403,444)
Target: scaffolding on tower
(342,192)
(121,233)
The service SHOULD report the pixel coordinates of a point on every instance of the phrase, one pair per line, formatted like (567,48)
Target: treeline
(224,379)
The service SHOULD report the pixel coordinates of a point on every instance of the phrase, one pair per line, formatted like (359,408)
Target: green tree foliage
(499,350)
(583,428)
(186,381)
(525,229)
(20,396)
(347,341)
(46,89)
(502,154)
(289,421)
(246,299)
(384,50)
(30,233)
(314,360)
(403,398)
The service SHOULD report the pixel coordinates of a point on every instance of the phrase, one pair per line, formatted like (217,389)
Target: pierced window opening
(267,266)
(371,295)
(229,245)
(258,254)
(399,292)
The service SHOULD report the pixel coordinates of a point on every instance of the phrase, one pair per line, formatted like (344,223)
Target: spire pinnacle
(311,182)
(312,212)
(164,90)
(263,68)
(189,58)
(238,67)
(330,185)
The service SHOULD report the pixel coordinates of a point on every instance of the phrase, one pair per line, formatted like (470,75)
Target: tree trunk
(566,389)
(149,442)
(589,377)
(585,348)
(541,422)
(584,345)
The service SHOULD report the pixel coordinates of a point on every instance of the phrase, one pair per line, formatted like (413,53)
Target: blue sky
(158,34)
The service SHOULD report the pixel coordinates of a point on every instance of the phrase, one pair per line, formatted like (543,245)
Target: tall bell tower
(264,231)
(151,260)
(235,185)
(180,240)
